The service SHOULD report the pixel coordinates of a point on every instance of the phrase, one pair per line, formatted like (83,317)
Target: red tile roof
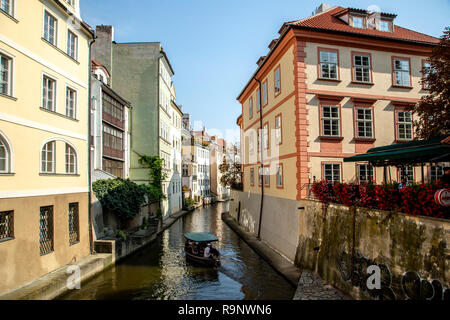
(328,20)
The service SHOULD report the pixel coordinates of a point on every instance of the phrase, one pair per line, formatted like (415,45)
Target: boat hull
(215,262)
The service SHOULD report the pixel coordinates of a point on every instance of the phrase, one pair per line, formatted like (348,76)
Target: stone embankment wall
(279,227)
(339,244)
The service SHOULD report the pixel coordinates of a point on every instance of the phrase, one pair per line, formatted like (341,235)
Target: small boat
(202,239)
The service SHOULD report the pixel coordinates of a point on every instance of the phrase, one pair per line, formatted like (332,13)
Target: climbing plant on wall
(156,177)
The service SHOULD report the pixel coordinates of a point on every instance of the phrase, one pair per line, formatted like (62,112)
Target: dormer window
(358,22)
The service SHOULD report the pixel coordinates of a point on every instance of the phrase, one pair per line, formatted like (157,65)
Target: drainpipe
(261,148)
(91,238)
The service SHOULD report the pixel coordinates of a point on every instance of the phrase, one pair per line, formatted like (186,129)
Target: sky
(213,45)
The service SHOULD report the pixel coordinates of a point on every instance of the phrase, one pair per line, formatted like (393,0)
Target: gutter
(261,148)
(91,238)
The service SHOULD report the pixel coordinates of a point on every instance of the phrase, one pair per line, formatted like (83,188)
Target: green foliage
(433,110)
(189,202)
(122,234)
(156,177)
(231,173)
(123,198)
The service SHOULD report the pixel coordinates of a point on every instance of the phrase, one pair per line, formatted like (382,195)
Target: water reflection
(160,271)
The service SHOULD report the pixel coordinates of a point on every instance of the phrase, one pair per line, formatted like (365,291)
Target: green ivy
(156,177)
(123,198)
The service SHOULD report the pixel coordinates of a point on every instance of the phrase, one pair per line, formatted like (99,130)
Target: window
(46,230)
(277,81)
(72,44)
(258,100)
(266,136)
(267,177)
(259,140)
(402,72)
(71,2)
(112,138)
(5,75)
(48,93)
(406,173)
(252,177)
(332,172)
(4,157)
(362,68)
(364,123)
(426,69)
(113,109)
(260,176)
(358,22)
(71,160)
(250,108)
(365,173)
(278,130)
(385,26)
(50,27)
(48,158)
(329,65)
(436,172)
(114,167)
(250,144)
(330,121)
(7,6)
(264,94)
(280,176)
(6,225)
(71,100)
(404,125)
(74,224)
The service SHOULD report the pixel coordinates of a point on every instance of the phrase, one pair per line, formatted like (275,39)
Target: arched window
(48,158)
(5,156)
(71,160)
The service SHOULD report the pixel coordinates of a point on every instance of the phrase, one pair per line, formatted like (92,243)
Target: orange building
(332,86)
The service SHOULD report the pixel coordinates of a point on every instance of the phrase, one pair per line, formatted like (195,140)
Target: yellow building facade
(44,176)
(332,86)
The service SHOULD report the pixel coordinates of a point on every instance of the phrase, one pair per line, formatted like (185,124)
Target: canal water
(160,270)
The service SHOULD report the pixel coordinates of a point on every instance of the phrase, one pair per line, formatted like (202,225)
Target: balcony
(113,120)
(113,153)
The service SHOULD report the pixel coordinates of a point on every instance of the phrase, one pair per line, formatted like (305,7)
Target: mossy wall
(339,243)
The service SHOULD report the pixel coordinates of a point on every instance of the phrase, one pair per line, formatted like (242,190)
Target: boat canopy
(201,237)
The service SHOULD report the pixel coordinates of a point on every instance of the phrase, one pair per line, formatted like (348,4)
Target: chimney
(323,7)
(272,44)
(260,61)
(102,47)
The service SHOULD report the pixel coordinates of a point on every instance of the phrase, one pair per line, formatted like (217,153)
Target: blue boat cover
(201,237)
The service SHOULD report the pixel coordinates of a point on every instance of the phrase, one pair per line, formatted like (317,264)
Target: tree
(230,173)
(433,110)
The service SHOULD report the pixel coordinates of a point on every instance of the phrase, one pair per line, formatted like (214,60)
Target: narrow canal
(160,270)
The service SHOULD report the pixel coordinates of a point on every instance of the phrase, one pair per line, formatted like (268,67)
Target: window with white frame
(365,173)
(266,176)
(266,136)
(4,156)
(328,65)
(277,81)
(404,125)
(72,45)
(358,22)
(436,173)
(5,75)
(264,94)
(362,68)
(71,100)
(332,172)
(258,100)
(251,143)
(71,160)
(426,71)
(7,6)
(250,108)
(330,121)
(260,176)
(50,28)
(406,173)
(278,128)
(364,123)
(279,176)
(402,72)
(252,176)
(385,26)
(48,93)
(48,158)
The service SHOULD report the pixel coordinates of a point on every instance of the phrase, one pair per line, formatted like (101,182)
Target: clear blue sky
(213,45)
